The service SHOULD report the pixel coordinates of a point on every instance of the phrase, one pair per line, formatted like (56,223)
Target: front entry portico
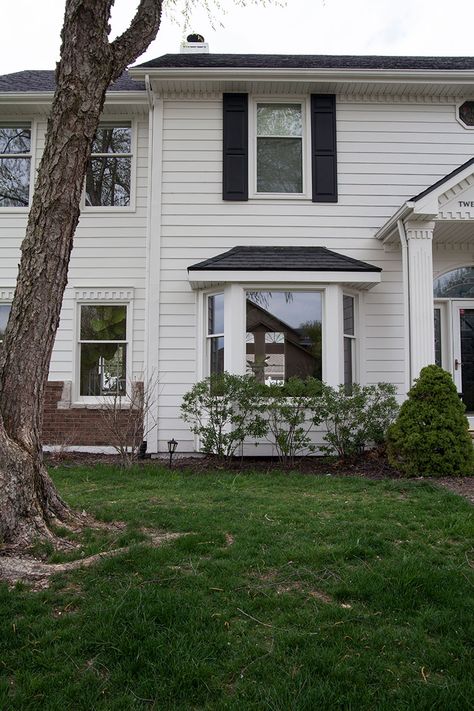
(435,231)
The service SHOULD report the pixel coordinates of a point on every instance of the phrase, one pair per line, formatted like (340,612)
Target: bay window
(109,171)
(349,340)
(103,349)
(15,164)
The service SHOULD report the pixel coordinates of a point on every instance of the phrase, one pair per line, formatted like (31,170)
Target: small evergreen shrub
(431,435)
(292,411)
(355,419)
(224,410)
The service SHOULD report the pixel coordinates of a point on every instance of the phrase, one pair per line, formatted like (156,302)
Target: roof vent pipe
(194,44)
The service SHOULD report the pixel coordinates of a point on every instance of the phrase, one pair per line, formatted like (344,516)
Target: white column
(333,336)
(234,329)
(420,289)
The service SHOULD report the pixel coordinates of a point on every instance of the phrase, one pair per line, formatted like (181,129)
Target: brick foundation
(64,424)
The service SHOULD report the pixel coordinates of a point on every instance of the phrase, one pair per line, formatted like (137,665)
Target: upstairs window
(4,314)
(279,154)
(103,349)
(109,172)
(15,165)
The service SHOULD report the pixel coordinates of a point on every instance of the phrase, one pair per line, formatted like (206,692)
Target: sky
(30,29)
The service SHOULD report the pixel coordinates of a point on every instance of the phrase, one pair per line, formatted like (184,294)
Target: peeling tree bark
(29,503)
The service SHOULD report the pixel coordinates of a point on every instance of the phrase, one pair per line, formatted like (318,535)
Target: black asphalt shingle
(306,61)
(37,80)
(294,259)
(442,180)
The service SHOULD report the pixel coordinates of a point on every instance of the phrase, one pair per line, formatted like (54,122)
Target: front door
(463,356)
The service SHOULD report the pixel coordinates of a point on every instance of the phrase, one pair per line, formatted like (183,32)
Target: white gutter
(387,230)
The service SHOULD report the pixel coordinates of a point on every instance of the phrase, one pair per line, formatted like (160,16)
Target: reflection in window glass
(15,165)
(279,148)
(103,350)
(215,333)
(4,314)
(437,336)
(284,336)
(458,284)
(108,176)
(349,341)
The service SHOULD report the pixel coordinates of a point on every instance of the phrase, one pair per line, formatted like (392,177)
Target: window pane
(108,181)
(14,182)
(437,336)
(284,336)
(4,314)
(279,120)
(15,139)
(215,314)
(103,369)
(279,165)
(456,284)
(112,139)
(348,376)
(103,323)
(348,305)
(217,355)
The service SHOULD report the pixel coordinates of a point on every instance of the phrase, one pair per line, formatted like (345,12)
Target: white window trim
(106,209)
(355,337)
(6,298)
(458,118)
(31,155)
(210,336)
(235,326)
(306,147)
(106,296)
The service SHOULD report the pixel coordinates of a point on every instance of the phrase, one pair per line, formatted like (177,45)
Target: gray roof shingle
(306,61)
(295,259)
(38,80)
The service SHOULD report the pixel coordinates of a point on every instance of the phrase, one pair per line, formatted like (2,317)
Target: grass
(290,592)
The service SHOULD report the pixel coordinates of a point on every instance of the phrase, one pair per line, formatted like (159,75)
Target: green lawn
(290,592)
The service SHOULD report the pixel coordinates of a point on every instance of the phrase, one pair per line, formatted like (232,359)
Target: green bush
(355,419)
(224,410)
(431,435)
(292,411)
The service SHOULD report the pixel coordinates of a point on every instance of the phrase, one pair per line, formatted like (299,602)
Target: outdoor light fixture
(172,444)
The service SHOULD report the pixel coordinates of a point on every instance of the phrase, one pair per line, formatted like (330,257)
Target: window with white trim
(15,164)
(109,171)
(283,335)
(215,333)
(349,340)
(103,349)
(4,314)
(279,147)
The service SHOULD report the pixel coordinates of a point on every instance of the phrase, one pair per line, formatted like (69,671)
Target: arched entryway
(453,294)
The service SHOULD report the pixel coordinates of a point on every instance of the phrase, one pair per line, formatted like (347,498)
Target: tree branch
(136,39)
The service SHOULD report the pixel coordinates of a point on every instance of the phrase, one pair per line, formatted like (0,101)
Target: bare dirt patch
(464,486)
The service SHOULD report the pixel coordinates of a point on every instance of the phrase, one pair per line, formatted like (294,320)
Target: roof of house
(442,180)
(38,80)
(307,61)
(303,259)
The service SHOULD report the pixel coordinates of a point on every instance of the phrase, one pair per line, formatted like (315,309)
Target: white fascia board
(406,76)
(428,204)
(386,232)
(46,97)
(201,279)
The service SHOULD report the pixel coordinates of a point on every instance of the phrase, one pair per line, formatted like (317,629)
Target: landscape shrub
(292,411)
(431,435)
(355,419)
(224,410)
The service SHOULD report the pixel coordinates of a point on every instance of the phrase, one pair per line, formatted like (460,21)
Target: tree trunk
(29,502)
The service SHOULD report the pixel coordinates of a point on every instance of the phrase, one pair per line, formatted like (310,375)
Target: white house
(268,213)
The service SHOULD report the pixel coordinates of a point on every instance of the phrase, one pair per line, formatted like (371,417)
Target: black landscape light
(172,444)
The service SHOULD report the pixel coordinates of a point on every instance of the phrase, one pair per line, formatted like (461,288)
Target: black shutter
(235,182)
(323,147)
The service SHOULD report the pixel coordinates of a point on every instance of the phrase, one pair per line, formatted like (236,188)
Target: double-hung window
(215,333)
(4,314)
(15,164)
(103,349)
(109,171)
(349,340)
(279,148)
